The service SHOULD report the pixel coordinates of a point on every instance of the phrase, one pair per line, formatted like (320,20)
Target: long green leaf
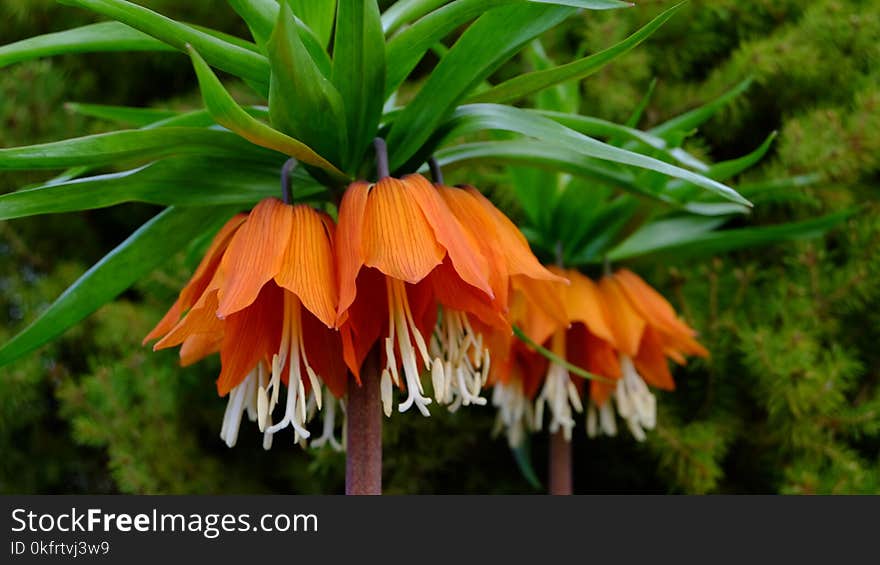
(529,83)
(177,181)
(690,120)
(143,251)
(359,73)
(105,36)
(711,243)
(127,115)
(404,11)
(318,16)
(130,145)
(259,15)
(486,44)
(405,50)
(589,4)
(221,54)
(495,116)
(665,233)
(226,111)
(303,103)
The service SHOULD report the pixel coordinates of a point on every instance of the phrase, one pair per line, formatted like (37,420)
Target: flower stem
(560,464)
(363,462)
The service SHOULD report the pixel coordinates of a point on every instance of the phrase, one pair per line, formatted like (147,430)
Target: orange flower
(620,329)
(402,254)
(265,297)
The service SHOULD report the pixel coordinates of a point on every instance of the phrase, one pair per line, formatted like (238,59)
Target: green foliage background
(789,401)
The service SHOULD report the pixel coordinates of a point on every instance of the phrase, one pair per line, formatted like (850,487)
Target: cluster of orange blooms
(431,279)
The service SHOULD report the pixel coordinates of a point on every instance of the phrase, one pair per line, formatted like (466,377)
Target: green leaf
(713,243)
(127,115)
(404,11)
(495,116)
(105,36)
(550,356)
(318,16)
(130,145)
(259,15)
(665,233)
(221,54)
(303,103)
(601,128)
(177,181)
(589,4)
(143,251)
(522,456)
(486,44)
(359,73)
(691,120)
(405,50)
(529,83)
(229,114)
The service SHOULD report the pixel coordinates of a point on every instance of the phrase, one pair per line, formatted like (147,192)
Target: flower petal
(583,303)
(366,321)
(625,323)
(251,334)
(200,279)
(397,239)
(651,363)
(198,346)
(308,269)
(324,348)
(255,255)
(201,319)
(349,252)
(469,263)
(651,305)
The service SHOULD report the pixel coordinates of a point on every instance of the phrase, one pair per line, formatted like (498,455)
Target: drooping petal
(397,238)
(251,335)
(201,319)
(544,305)
(348,248)
(584,304)
(324,347)
(482,233)
(453,293)
(651,363)
(651,305)
(367,319)
(198,346)
(200,279)
(255,255)
(307,269)
(517,253)
(625,323)
(465,256)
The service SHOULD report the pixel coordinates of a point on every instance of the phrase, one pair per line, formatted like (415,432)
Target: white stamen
(560,394)
(329,426)
(514,411)
(240,399)
(466,359)
(635,403)
(402,326)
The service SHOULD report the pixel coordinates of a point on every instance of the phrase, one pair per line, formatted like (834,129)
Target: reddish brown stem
(560,464)
(363,416)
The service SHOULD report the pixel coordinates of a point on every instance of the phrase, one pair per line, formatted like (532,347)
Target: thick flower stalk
(264,296)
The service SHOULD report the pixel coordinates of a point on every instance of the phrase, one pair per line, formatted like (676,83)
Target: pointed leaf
(529,83)
(318,16)
(690,120)
(303,103)
(221,54)
(229,114)
(105,36)
(486,44)
(127,115)
(359,73)
(147,248)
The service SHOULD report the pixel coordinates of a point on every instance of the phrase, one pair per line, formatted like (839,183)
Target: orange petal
(481,232)
(324,348)
(514,246)
(349,252)
(651,363)
(626,325)
(201,319)
(198,346)
(251,334)
(255,254)
(469,263)
(307,269)
(366,320)
(453,293)
(543,301)
(651,305)
(200,279)
(584,304)
(397,239)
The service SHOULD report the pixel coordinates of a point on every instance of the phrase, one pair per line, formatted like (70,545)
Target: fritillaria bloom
(401,255)
(264,296)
